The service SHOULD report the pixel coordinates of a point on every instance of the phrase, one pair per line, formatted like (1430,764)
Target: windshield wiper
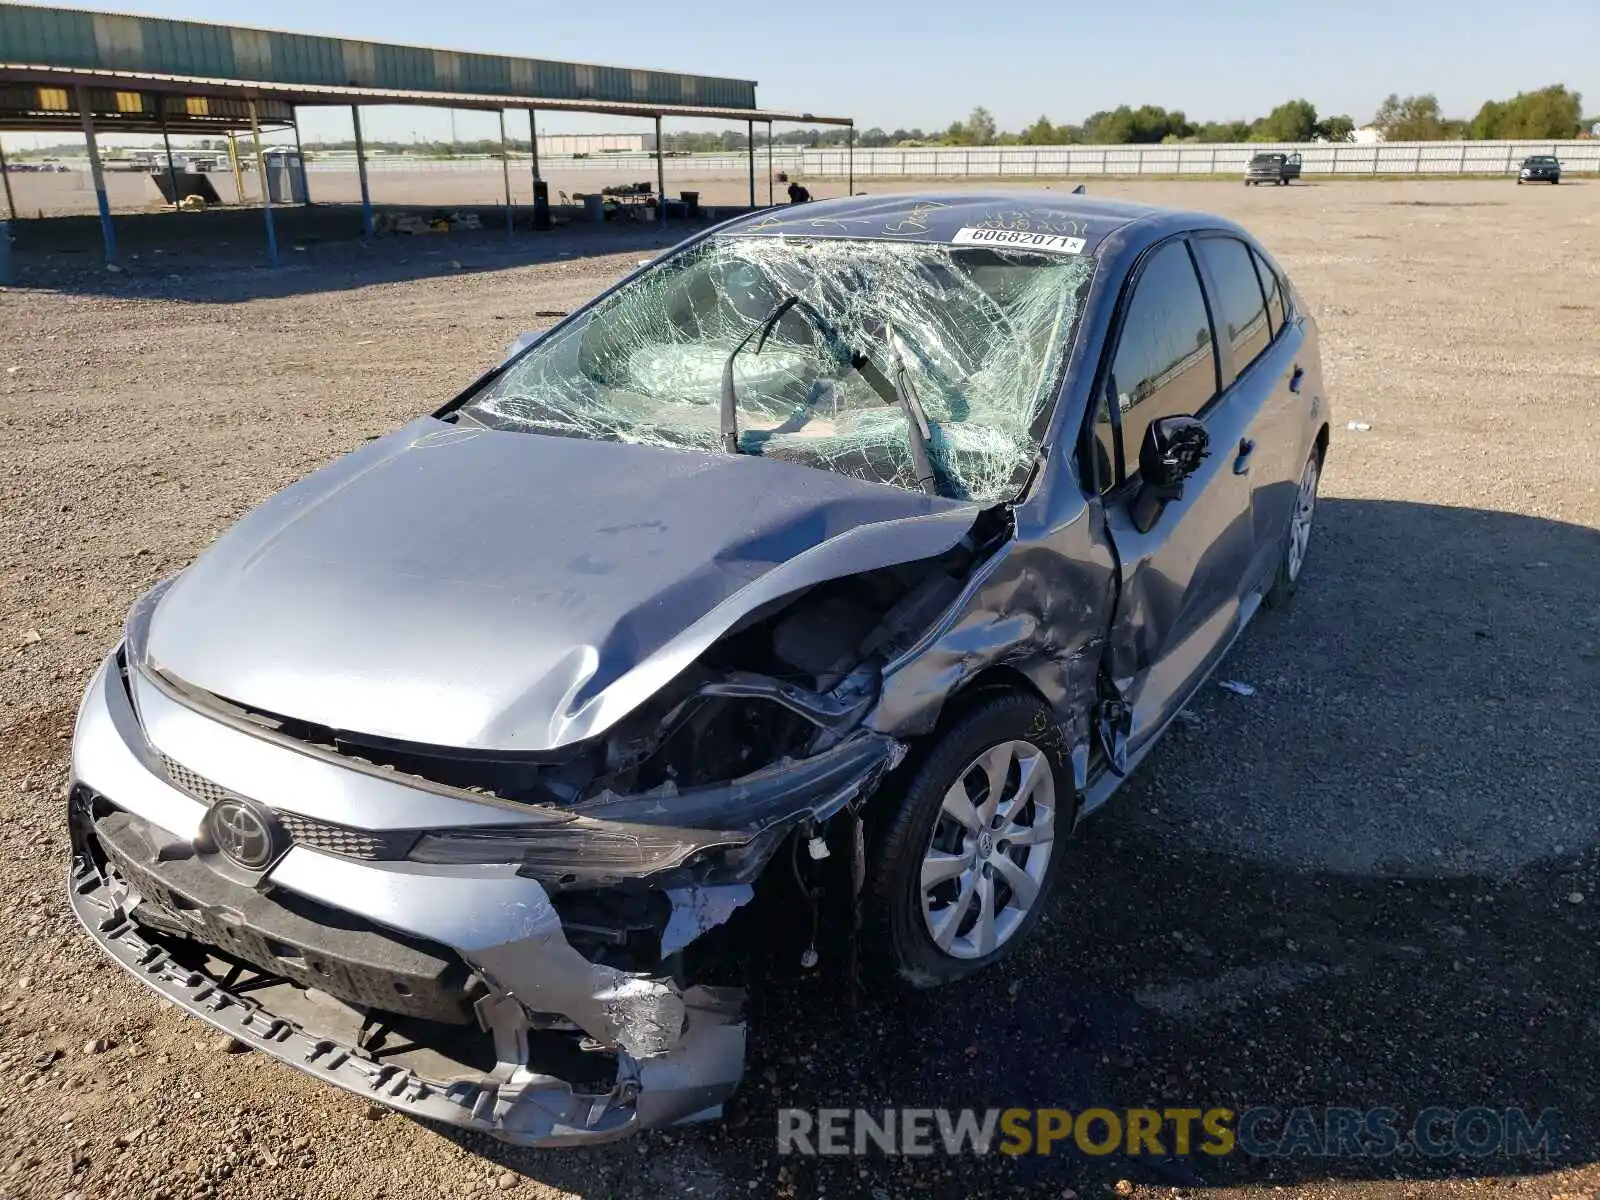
(730,398)
(916,420)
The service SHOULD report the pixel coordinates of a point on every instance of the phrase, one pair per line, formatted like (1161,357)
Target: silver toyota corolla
(849,552)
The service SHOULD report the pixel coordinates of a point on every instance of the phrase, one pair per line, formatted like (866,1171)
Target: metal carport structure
(105,72)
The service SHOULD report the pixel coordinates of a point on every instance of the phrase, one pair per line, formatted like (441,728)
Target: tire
(936,935)
(1297,540)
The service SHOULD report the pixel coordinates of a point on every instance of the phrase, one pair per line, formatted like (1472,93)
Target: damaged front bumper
(487,1014)
(694,1039)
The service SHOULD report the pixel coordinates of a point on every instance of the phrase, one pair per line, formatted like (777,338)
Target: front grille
(352,843)
(197,786)
(305,831)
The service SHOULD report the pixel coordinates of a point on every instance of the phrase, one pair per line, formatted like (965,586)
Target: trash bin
(594,207)
(691,204)
(5,252)
(285,182)
(541,204)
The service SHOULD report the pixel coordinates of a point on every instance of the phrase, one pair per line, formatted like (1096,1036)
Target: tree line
(1551,112)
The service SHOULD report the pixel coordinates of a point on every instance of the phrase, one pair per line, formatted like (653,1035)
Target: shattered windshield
(981,335)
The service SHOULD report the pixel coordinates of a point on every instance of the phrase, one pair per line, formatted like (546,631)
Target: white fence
(337,160)
(1391,158)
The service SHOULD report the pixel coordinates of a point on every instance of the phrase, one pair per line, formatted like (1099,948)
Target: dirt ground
(1373,882)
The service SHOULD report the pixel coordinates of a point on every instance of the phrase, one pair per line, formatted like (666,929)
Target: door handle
(1241,464)
(1295,378)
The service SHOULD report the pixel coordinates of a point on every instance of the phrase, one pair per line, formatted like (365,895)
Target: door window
(1166,362)
(1241,309)
(1274,291)
(1102,445)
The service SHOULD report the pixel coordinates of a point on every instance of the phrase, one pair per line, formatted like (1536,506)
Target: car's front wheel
(1298,540)
(963,865)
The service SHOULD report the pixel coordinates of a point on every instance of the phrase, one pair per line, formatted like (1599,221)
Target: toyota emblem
(244,833)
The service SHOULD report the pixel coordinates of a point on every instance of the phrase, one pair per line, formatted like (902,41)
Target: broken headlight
(589,850)
(726,830)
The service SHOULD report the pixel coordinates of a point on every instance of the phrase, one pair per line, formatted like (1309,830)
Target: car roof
(937,217)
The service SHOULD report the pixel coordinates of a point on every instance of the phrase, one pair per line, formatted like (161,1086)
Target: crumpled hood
(507,591)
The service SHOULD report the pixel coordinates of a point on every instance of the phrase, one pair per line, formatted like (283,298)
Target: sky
(902,63)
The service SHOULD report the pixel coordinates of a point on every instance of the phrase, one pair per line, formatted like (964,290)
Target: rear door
(1263,379)
(1182,579)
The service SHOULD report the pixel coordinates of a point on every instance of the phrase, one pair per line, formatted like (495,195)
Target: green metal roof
(68,39)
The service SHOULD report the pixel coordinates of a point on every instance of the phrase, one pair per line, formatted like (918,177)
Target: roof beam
(303,94)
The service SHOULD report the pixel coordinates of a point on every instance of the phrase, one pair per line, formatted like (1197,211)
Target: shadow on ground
(1373,883)
(220,256)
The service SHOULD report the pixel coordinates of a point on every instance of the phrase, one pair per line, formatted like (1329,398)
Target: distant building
(558,144)
(1367,135)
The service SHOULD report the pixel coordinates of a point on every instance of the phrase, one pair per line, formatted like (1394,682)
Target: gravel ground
(1373,882)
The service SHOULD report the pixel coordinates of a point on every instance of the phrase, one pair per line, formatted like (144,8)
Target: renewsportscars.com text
(1262,1132)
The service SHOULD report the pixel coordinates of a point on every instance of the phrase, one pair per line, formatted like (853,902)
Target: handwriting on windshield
(1020,221)
(915,222)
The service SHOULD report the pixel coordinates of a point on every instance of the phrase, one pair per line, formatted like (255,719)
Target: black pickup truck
(1272,168)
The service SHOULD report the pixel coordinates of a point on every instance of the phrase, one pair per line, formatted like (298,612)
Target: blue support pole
(505,168)
(300,156)
(533,143)
(166,146)
(5,226)
(5,178)
(107,233)
(361,174)
(661,177)
(266,190)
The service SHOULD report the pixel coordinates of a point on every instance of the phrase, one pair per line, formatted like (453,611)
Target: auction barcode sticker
(1018,239)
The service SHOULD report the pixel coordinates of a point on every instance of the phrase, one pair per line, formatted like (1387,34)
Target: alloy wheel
(1305,509)
(990,849)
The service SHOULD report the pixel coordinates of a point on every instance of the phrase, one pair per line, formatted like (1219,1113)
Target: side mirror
(524,340)
(1172,450)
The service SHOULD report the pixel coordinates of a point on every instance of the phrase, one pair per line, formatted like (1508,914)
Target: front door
(1183,578)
